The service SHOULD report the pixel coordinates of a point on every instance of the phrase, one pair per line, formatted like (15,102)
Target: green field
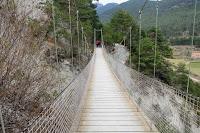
(195,66)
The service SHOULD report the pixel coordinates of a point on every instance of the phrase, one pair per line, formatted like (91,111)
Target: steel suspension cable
(156,38)
(85,42)
(86,46)
(192,45)
(80,23)
(130,46)
(82,39)
(94,38)
(125,37)
(140,34)
(142,8)
(71,37)
(54,31)
(102,38)
(139,45)
(55,42)
(78,34)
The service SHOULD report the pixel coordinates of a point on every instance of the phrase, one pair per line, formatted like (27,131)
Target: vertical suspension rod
(156,39)
(192,45)
(130,46)
(71,38)
(54,31)
(78,34)
(94,38)
(139,46)
(55,40)
(102,39)
(82,39)
(140,33)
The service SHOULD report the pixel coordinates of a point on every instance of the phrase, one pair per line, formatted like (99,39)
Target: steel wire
(162,104)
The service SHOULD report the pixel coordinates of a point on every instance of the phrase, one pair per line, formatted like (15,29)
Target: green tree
(147,56)
(119,27)
(88,16)
(181,68)
(181,80)
(162,43)
(88,19)
(108,34)
(163,69)
(121,23)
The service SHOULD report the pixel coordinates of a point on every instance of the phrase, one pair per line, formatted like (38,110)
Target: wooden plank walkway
(107,108)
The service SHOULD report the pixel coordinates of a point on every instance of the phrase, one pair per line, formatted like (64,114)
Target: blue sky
(112,1)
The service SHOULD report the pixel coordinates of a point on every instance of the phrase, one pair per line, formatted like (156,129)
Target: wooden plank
(111,123)
(119,132)
(112,128)
(107,108)
(110,114)
(111,118)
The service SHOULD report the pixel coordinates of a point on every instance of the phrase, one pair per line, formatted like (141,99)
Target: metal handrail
(165,106)
(64,114)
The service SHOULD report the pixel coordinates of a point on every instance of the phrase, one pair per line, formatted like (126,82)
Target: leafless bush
(25,77)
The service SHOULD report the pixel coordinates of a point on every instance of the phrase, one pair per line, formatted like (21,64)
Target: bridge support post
(102,39)
(130,46)
(156,40)
(94,39)
(78,34)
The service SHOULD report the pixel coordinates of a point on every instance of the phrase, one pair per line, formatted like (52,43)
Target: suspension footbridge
(107,107)
(110,97)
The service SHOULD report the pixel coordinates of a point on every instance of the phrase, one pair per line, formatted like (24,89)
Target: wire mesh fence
(170,110)
(64,114)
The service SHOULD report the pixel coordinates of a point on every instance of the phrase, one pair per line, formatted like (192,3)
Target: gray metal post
(139,47)
(94,38)
(71,37)
(193,34)
(130,45)
(78,34)
(156,40)
(54,31)
(102,40)
(82,40)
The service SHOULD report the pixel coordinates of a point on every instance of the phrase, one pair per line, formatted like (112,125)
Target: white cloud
(112,1)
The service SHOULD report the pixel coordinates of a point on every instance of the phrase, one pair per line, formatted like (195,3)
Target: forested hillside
(175,16)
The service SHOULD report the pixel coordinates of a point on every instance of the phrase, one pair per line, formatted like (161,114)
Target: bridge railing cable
(64,114)
(162,104)
(169,109)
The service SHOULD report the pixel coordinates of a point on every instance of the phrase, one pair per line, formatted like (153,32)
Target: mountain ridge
(174,16)
(106,7)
